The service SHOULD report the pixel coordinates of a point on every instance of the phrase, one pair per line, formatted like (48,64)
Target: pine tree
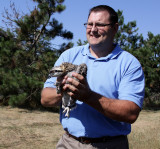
(27,53)
(127,36)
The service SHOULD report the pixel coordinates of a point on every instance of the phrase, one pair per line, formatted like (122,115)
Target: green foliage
(26,53)
(80,43)
(63,48)
(127,36)
(149,56)
(20,81)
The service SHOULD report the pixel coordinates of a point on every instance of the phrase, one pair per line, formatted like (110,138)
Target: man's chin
(95,44)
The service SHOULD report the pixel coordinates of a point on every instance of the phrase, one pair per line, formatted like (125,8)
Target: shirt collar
(117,50)
(85,51)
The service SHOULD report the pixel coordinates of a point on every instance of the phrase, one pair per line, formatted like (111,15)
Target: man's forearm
(50,98)
(120,110)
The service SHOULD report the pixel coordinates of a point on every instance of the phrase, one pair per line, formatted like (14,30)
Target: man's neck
(99,51)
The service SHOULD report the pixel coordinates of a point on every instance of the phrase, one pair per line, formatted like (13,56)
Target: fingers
(79,82)
(72,84)
(77,88)
(78,76)
(70,80)
(72,89)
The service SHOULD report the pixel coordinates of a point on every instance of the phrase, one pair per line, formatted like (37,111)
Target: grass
(146,131)
(26,129)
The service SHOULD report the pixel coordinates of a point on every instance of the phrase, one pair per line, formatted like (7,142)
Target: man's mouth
(94,36)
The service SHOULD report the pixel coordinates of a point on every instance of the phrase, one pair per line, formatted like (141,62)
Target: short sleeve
(132,85)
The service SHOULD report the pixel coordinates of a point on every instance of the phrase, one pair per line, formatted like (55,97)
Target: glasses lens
(97,25)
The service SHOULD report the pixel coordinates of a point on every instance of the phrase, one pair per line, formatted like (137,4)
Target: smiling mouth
(95,36)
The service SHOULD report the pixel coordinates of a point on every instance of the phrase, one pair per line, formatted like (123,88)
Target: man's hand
(78,89)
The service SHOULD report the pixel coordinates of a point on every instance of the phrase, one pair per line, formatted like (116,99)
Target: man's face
(99,36)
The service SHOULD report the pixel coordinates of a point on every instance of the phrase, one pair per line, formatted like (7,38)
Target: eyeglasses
(98,25)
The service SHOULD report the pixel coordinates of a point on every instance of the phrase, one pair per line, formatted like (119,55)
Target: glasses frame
(97,25)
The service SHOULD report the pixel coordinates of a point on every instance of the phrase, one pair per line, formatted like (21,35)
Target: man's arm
(50,98)
(120,110)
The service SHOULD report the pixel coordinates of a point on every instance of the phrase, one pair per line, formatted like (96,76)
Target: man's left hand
(78,89)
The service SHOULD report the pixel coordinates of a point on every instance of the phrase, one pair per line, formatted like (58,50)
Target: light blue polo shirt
(119,75)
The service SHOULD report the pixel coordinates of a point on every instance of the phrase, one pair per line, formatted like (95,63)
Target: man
(111,97)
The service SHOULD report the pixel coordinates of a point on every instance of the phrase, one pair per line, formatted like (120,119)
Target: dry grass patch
(146,131)
(24,129)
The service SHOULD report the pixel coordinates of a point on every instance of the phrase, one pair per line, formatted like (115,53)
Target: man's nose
(94,28)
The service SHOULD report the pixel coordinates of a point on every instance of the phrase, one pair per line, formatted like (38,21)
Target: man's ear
(115,27)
